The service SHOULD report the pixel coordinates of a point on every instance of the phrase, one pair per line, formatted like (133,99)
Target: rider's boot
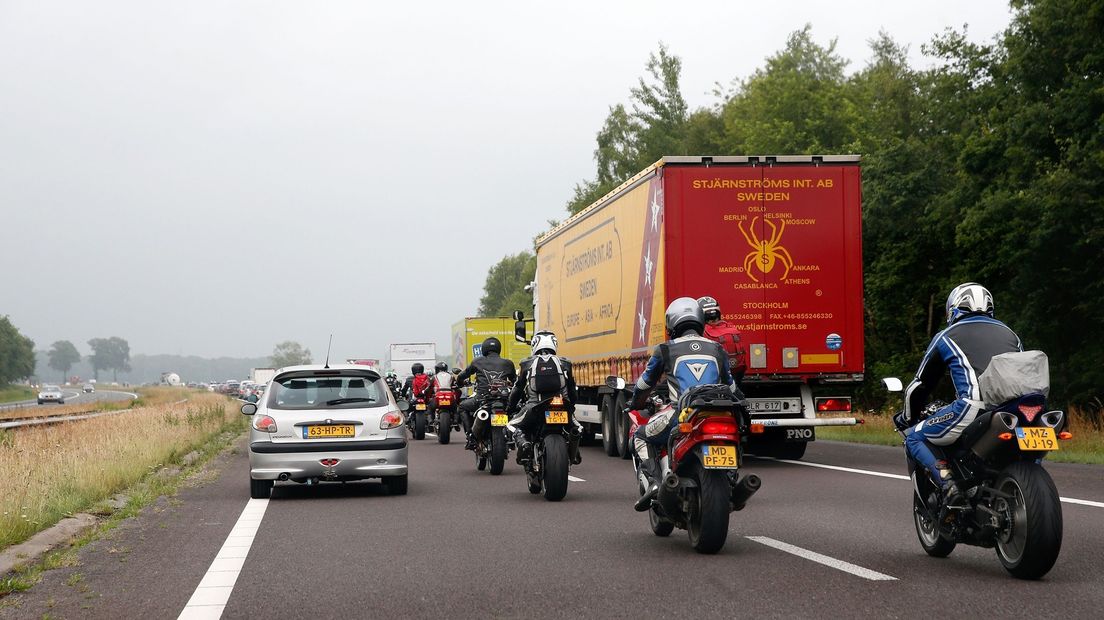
(650,469)
(574,435)
(524,447)
(470,445)
(952,495)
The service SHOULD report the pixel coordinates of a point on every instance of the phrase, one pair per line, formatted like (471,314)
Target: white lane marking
(213,591)
(819,558)
(574,479)
(866,472)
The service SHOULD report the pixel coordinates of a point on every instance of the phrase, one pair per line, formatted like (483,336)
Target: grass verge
(1087,445)
(146,397)
(15,393)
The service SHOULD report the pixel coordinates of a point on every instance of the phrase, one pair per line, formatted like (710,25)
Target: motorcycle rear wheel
(555,467)
(419,425)
(444,426)
(927,531)
(707,523)
(1031,545)
(498,451)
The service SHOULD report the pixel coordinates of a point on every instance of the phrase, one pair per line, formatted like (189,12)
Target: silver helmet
(684,312)
(968,298)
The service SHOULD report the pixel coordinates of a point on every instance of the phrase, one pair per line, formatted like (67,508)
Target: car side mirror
(402,404)
(249,408)
(893,384)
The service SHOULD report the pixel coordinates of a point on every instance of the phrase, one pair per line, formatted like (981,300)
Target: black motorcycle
(489,429)
(547,470)
(1007,500)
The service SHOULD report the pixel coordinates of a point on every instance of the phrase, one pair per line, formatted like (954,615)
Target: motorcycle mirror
(616,383)
(248,409)
(893,384)
(402,404)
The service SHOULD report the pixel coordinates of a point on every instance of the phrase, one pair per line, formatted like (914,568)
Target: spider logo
(766,253)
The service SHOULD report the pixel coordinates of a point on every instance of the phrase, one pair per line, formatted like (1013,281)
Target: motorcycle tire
(419,425)
(927,531)
(707,523)
(498,451)
(1031,546)
(444,427)
(555,467)
(609,418)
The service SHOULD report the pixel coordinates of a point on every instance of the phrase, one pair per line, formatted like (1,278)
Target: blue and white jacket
(688,361)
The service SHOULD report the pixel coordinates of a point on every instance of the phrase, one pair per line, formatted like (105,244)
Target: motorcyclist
(489,367)
(688,359)
(544,356)
(392,382)
(417,384)
(964,350)
(724,333)
(442,381)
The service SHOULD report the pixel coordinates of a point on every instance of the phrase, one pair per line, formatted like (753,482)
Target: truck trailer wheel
(609,435)
(624,441)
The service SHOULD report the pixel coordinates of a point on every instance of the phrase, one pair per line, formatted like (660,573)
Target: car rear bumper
(268,461)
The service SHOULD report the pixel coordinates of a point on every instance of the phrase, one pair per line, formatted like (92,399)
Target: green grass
(15,393)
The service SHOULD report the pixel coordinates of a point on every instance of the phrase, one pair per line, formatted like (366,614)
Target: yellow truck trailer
(468,335)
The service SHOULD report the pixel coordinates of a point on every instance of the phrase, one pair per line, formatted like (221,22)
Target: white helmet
(544,341)
(966,299)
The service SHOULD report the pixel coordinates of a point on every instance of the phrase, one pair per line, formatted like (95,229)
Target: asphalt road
(72,396)
(464,544)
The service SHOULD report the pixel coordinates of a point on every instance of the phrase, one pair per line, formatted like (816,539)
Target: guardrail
(12,423)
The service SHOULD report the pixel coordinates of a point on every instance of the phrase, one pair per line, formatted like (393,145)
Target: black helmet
(440,367)
(492,345)
(710,308)
(684,313)
(417,368)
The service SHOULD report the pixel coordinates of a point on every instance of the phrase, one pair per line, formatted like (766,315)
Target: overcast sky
(212,177)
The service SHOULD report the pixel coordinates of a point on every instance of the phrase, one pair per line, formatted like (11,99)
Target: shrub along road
(815,542)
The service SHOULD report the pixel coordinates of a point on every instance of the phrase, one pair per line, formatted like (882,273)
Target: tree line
(987,167)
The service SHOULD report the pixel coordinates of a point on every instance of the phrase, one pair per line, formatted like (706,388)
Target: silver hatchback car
(317,424)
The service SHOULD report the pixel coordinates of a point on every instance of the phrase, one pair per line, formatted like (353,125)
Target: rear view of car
(51,394)
(318,424)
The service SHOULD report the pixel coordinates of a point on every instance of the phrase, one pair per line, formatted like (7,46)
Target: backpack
(421,382)
(546,375)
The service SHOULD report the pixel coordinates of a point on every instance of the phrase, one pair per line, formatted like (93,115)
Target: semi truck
(776,240)
(402,356)
(469,333)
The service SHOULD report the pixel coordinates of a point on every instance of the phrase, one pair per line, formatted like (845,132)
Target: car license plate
(420,407)
(328,430)
(555,417)
(1036,438)
(499,419)
(719,457)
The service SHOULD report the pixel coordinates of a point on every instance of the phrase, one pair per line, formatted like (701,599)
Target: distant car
(51,394)
(88,388)
(319,424)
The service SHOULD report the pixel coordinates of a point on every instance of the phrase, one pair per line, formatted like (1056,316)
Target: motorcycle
(417,420)
(547,470)
(489,429)
(700,485)
(446,418)
(1007,500)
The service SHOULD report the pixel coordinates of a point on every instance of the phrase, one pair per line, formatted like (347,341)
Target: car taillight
(1030,411)
(833,404)
(391,419)
(265,424)
(722,426)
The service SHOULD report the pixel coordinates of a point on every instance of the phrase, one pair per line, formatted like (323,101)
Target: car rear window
(326,392)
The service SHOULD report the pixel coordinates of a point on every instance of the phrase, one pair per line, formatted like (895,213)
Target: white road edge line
(213,591)
(866,472)
(574,479)
(830,562)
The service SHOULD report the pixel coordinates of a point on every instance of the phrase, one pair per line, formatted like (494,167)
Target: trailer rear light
(758,429)
(265,424)
(391,419)
(1065,435)
(719,427)
(834,404)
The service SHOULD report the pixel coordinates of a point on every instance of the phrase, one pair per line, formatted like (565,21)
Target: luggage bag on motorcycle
(1012,375)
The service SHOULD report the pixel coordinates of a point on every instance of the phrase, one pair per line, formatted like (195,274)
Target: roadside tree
(63,355)
(17,358)
(290,353)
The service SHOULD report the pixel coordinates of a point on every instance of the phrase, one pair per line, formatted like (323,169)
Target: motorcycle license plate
(499,419)
(328,430)
(420,407)
(555,417)
(444,402)
(719,457)
(1036,438)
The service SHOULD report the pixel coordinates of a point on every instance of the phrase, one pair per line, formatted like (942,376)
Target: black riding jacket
(521,388)
(488,368)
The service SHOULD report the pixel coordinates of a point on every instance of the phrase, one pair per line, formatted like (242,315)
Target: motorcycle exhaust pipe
(744,489)
(989,442)
(480,423)
(668,496)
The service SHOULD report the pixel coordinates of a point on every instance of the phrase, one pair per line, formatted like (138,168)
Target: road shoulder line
(213,592)
(819,558)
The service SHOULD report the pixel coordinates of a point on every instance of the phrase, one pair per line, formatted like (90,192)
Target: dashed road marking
(574,479)
(820,558)
(213,591)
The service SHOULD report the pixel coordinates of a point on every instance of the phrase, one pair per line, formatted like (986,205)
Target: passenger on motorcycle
(724,334)
(442,381)
(542,376)
(487,368)
(416,385)
(963,349)
(688,360)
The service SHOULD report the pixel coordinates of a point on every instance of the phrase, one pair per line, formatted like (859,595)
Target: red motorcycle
(445,403)
(700,484)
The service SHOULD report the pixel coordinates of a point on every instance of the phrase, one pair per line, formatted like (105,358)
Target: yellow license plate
(555,417)
(1036,438)
(499,419)
(420,407)
(719,457)
(329,430)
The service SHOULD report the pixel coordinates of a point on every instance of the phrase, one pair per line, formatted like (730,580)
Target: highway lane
(72,396)
(466,544)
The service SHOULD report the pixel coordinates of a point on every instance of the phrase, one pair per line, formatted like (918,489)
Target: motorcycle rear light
(833,404)
(1065,435)
(1030,411)
(265,424)
(758,429)
(1005,436)
(719,427)
(391,419)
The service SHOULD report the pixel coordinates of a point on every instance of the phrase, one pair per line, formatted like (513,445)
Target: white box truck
(402,356)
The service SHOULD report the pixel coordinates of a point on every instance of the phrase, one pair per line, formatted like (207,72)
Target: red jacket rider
(724,334)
